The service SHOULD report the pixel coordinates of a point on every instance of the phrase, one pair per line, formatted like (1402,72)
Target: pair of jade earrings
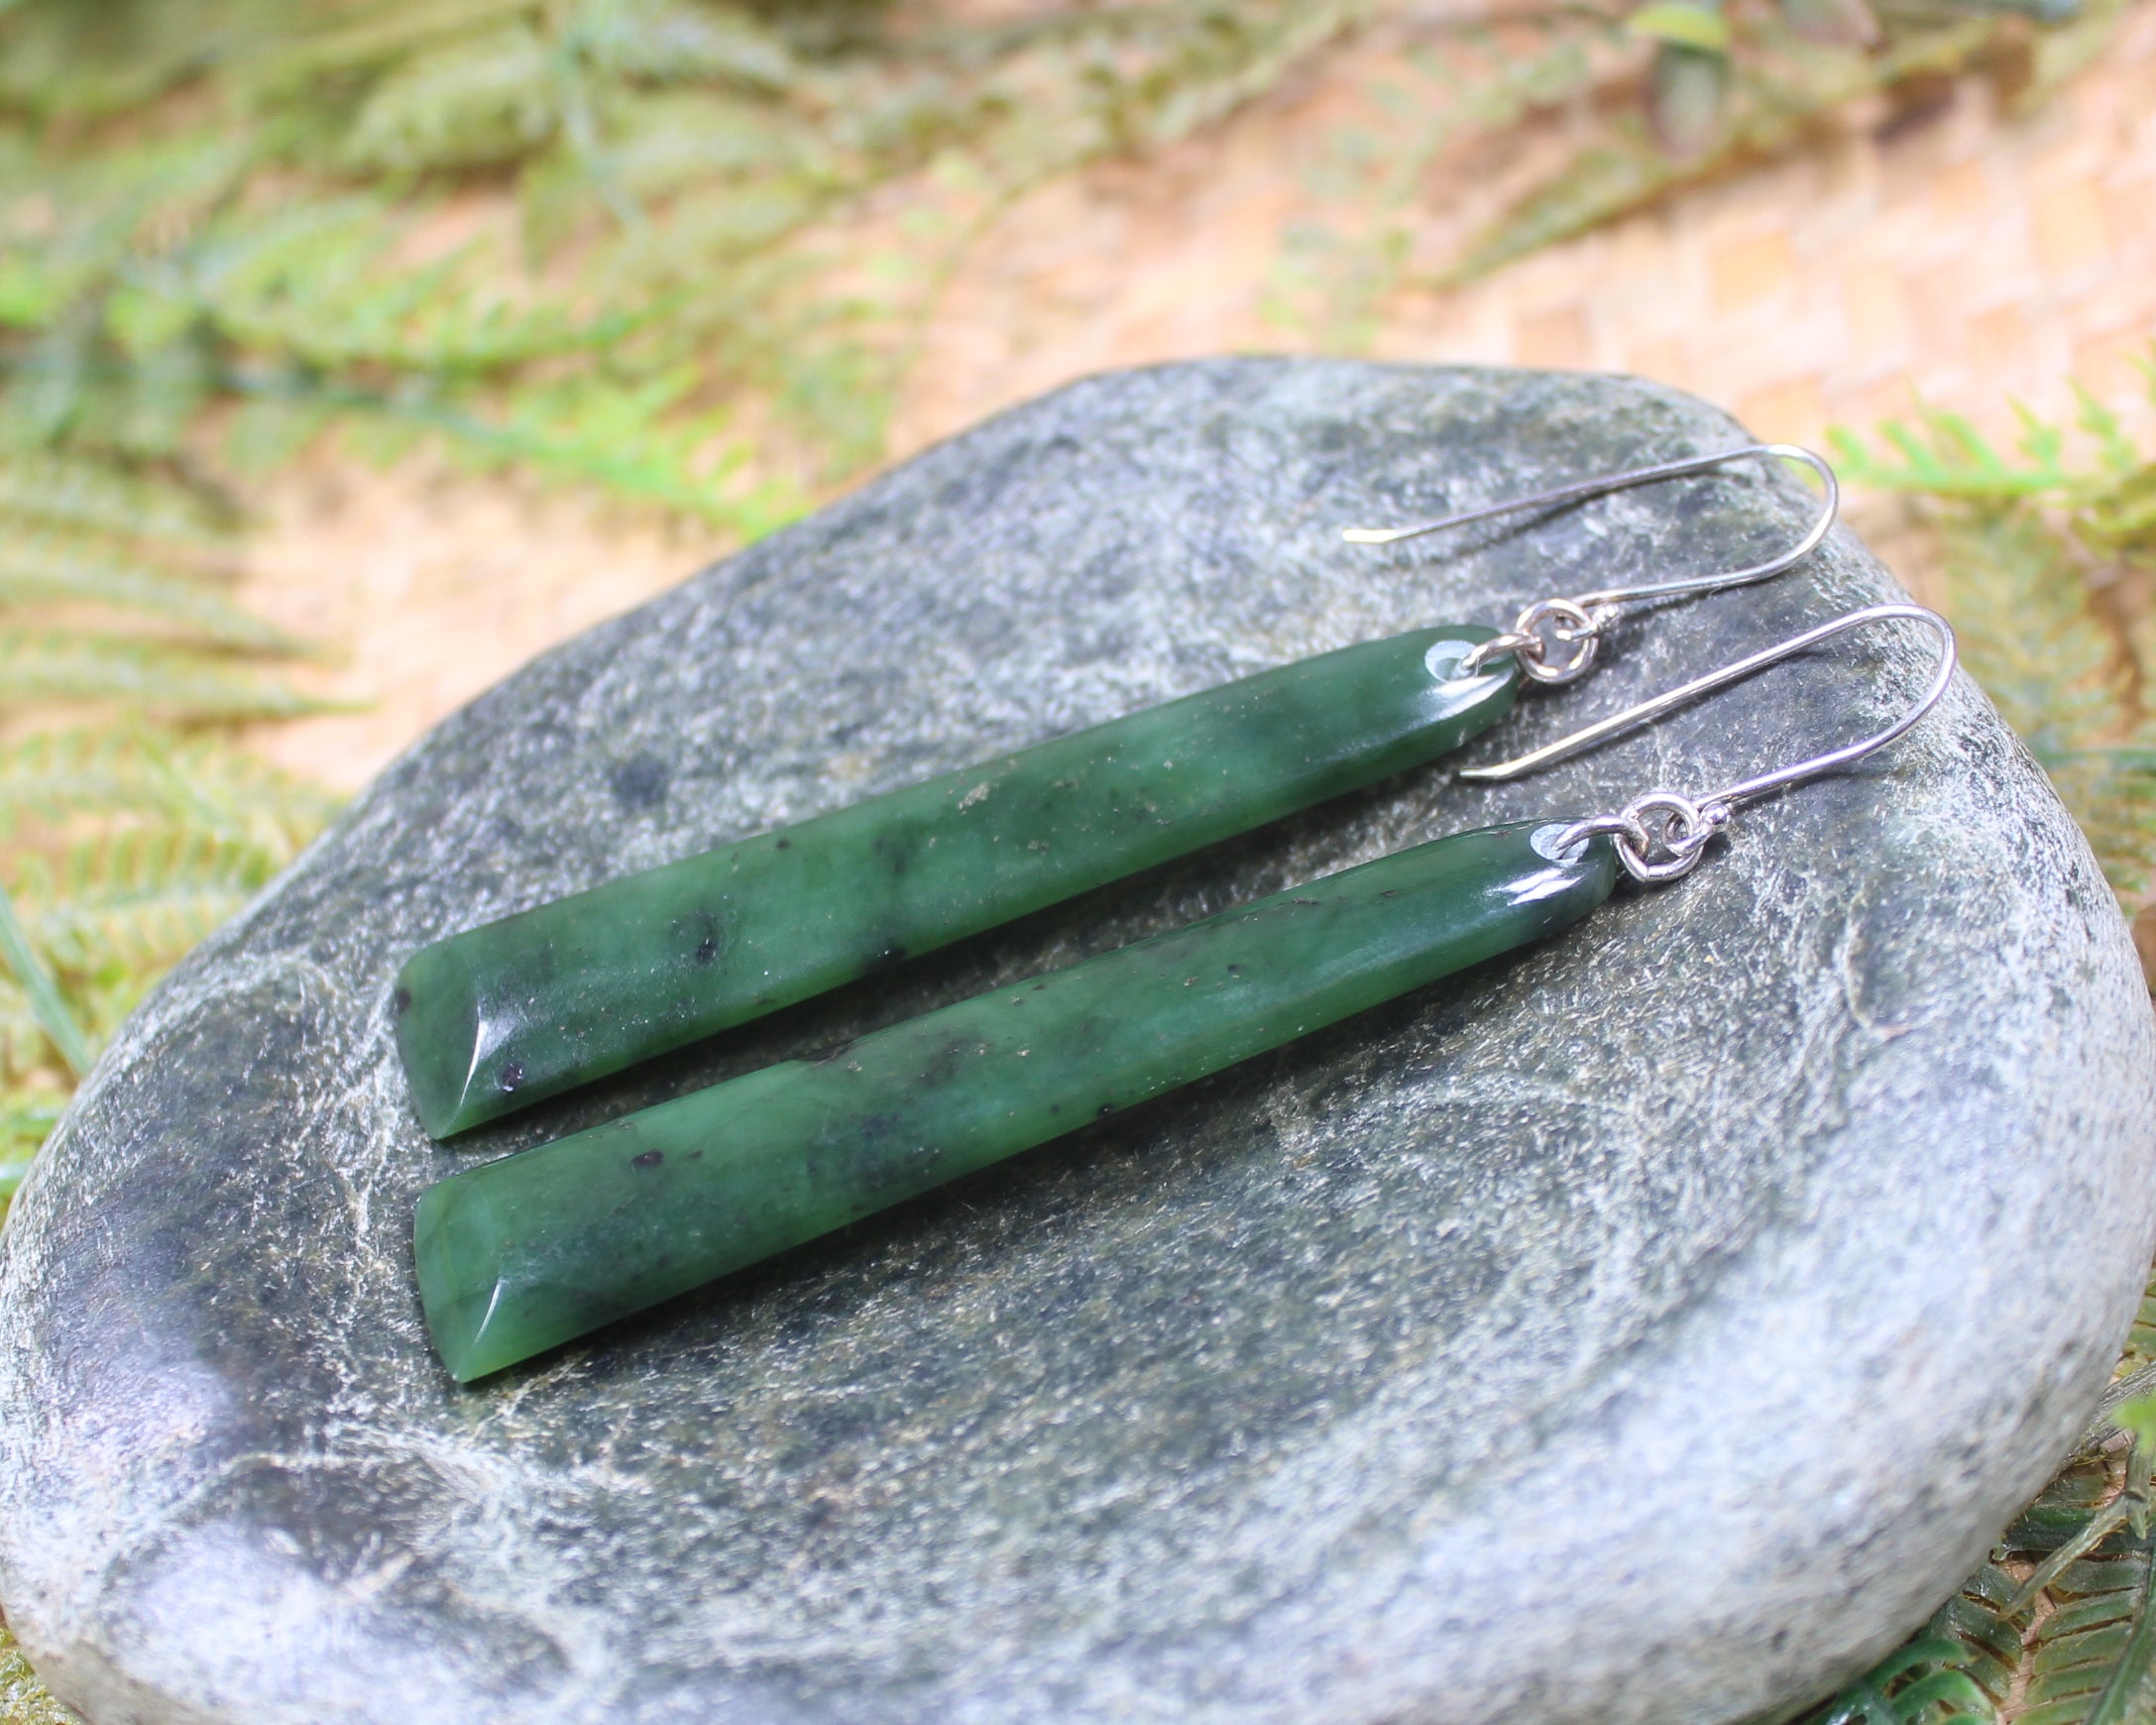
(521,1254)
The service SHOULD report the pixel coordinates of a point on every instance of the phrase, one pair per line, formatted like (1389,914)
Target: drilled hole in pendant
(1443,661)
(1548,842)
(1459,681)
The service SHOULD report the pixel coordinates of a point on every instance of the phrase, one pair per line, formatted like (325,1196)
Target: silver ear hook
(1682,825)
(1580,620)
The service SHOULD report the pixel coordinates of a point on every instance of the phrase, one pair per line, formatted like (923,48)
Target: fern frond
(1212,71)
(25,1049)
(624,439)
(2031,640)
(1600,183)
(676,40)
(50,570)
(317,284)
(39,988)
(2141,1339)
(130,673)
(2073,1664)
(2111,503)
(1989,1636)
(23,1699)
(473,101)
(136,900)
(1779,89)
(671,140)
(2071,682)
(95,61)
(1334,276)
(2080,1672)
(1945,455)
(332,43)
(28,1116)
(1908,1685)
(97,497)
(2027,634)
(2119,520)
(141,932)
(134,772)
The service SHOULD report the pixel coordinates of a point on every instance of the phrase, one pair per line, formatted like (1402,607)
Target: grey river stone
(1649,1328)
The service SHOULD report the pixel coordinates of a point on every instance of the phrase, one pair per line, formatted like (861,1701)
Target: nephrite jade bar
(520,1254)
(537,1003)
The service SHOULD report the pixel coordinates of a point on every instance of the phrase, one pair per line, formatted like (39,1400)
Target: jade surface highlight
(534,1249)
(533,1004)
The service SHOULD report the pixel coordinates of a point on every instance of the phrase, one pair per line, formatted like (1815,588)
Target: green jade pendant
(537,1003)
(519,1255)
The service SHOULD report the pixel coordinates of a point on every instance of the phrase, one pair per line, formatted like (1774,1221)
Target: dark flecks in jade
(524,1253)
(572,990)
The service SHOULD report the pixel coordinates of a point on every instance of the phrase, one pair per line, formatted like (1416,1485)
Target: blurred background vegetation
(684,255)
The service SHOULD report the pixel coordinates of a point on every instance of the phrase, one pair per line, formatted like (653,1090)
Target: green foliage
(2109,498)
(1911,1686)
(1336,274)
(632,244)
(649,246)
(23,1699)
(2046,555)
(166,778)
(41,993)
(2046,561)
(1711,109)
(2056,1627)
(696,216)
(131,831)
(583,233)
(1677,91)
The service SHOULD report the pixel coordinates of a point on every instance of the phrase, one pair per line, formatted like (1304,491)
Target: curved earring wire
(1581,490)
(1582,618)
(1686,824)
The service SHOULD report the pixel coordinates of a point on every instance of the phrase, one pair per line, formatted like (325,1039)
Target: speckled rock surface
(1646,1329)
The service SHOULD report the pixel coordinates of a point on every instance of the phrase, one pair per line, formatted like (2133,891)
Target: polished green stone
(528,1251)
(533,1004)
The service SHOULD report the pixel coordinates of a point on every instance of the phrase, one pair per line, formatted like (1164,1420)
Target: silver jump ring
(1680,827)
(1575,624)
(1626,828)
(1527,647)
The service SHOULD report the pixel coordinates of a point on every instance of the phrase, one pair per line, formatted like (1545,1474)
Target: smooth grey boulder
(1647,1329)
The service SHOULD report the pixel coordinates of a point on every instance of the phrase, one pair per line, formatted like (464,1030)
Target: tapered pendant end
(436,1014)
(457,1251)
